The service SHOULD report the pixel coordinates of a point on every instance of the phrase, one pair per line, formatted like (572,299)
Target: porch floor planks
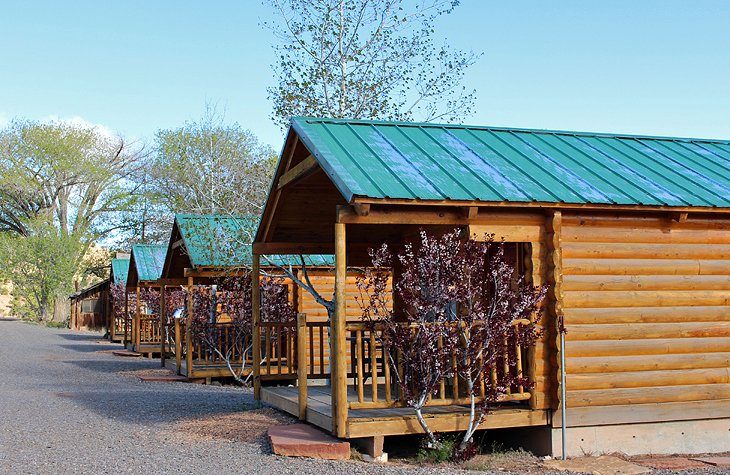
(393,421)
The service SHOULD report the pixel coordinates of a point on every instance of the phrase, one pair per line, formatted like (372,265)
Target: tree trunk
(60,310)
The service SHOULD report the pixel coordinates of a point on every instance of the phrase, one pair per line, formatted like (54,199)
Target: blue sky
(658,67)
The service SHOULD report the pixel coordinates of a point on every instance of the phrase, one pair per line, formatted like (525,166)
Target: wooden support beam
(178,243)
(338,335)
(680,217)
(470,212)
(256,322)
(274,248)
(347,215)
(306,167)
(362,209)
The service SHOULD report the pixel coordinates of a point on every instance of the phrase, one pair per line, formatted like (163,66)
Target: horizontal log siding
(647,309)
(324,282)
(530,227)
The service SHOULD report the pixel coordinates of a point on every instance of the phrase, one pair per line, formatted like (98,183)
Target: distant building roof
(220,241)
(417,161)
(148,260)
(120,269)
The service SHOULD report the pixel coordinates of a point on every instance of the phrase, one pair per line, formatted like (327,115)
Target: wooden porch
(295,376)
(394,420)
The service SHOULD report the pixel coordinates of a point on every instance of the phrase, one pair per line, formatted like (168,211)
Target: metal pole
(562,393)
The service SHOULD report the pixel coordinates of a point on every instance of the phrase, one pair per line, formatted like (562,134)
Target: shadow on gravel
(89,348)
(160,403)
(81,336)
(115,365)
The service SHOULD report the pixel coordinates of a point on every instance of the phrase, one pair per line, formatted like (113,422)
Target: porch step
(127,353)
(163,378)
(714,461)
(303,440)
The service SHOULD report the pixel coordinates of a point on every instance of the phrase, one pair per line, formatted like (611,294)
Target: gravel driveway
(67,406)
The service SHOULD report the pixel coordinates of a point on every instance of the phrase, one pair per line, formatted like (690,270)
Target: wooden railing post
(256,322)
(126,317)
(163,342)
(188,331)
(338,335)
(136,323)
(302,369)
(178,346)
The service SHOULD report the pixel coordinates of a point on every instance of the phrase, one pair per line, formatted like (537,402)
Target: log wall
(530,228)
(324,281)
(647,309)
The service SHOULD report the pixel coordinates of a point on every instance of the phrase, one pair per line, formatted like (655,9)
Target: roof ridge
(510,129)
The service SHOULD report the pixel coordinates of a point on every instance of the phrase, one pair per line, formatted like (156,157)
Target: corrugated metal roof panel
(120,269)
(416,161)
(149,260)
(221,241)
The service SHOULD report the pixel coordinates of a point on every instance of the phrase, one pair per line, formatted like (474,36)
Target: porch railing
(278,350)
(221,336)
(149,329)
(375,378)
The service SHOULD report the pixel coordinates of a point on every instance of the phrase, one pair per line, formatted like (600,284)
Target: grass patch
(499,458)
(443,452)
(56,324)
(252,406)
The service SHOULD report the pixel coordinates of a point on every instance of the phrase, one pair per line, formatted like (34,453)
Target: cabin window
(91,306)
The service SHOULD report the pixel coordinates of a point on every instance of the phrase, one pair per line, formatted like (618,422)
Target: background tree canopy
(207,167)
(375,59)
(67,188)
(62,187)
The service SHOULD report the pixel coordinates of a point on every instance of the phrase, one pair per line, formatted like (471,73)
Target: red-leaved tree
(464,311)
(230,339)
(118,293)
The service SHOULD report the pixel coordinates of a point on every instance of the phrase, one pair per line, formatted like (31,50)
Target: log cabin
(142,325)
(630,233)
(205,249)
(117,276)
(90,308)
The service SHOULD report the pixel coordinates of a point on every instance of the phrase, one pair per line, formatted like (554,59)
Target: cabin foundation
(656,438)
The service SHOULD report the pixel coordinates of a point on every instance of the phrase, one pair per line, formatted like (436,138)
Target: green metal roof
(149,260)
(418,161)
(120,269)
(221,241)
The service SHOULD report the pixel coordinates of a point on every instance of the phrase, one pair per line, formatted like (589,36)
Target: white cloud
(4,121)
(80,122)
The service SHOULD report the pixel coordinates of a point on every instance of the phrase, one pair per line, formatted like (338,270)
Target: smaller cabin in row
(142,332)
(203,251)
(90,309)
(117,277)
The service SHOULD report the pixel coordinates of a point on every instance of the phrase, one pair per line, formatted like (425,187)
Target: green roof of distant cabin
(220,241)
(421,161)
(120,269)
(149,260)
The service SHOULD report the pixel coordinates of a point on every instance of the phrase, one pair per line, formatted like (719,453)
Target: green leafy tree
(375,59)
(208,166)
(62,187)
